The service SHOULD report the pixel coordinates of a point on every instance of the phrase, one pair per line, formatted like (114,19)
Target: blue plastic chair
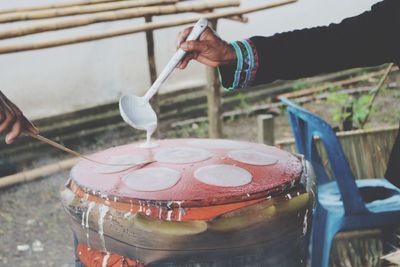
(339,202)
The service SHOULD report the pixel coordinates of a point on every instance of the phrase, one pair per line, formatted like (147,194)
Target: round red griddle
(266,180)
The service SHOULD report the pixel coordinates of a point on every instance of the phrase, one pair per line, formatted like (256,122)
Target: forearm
(243,70)
(371,38)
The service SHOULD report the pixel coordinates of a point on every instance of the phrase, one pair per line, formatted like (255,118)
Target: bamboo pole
(214,106)
(118,15)
(326,86)
(375,93)
(238,18)
(79,10)
(265,129)
(12,48)
(37,173)
(58,5)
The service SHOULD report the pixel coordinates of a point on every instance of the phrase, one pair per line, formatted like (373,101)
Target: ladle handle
(197,30)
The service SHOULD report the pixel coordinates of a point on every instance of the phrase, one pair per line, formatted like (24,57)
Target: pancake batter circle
(121,159)
(252,157)
(218,144)
(152,179)
(223,175)
(181,155)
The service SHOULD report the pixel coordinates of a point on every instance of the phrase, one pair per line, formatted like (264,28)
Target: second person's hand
(210,49)
(12,121)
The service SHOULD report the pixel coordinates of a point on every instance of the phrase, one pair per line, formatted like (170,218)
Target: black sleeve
(369,39)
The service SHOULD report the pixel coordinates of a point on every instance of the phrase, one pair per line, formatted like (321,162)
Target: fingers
(193,49)
(183,64)
(20,124)
(8,121)
(26,124)
(194,46)
(15,131)
(2,113)
(207,50)
(185,61)
(182,36)
(208,35)
(29,126)
(13,121)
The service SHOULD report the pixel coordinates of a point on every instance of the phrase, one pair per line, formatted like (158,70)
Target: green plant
(200,129)
(351,108)
(334,88)
(301,84)
(340,100)
(244,102)
(361,109)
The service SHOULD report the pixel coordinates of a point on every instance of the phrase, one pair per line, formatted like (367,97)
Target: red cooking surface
(276,178)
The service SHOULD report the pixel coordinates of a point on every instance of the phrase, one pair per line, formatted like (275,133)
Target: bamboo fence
(367,151)
(119,15)
(78,10)
(12,48)
(58,5)
(357,249)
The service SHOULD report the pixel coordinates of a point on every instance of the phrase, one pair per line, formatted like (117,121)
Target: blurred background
(63,79)
(72,91)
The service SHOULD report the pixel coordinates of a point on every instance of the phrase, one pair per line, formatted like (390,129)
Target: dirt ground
(33,226)
(32,213)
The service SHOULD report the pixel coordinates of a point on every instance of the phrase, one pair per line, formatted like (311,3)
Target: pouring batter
(137,111)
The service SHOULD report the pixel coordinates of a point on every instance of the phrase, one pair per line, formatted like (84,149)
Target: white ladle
(137,111)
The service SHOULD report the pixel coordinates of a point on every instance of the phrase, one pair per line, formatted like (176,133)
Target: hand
(12,120)
(210,49)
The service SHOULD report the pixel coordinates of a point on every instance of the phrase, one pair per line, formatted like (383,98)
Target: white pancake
(218,143)
(223,175)
(181,155)
(121,159)
(152,179)
(148,145)
(252,157)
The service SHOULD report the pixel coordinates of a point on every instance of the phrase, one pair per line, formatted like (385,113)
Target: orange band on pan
(93,258)
(190,213)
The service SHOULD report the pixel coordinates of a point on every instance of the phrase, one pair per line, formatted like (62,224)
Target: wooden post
(152,69)
(266,129)
(214,99)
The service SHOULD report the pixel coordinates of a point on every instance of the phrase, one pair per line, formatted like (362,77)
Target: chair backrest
(306,126)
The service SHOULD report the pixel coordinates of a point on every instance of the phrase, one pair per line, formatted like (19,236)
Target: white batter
(181,155)
(150,129)
(121,159)
(218,143)
(152,179)
(223,175)
(252,157)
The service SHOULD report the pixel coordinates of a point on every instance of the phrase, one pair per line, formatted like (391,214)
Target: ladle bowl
(137,112)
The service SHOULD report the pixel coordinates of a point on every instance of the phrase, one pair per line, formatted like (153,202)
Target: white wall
(56,80)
